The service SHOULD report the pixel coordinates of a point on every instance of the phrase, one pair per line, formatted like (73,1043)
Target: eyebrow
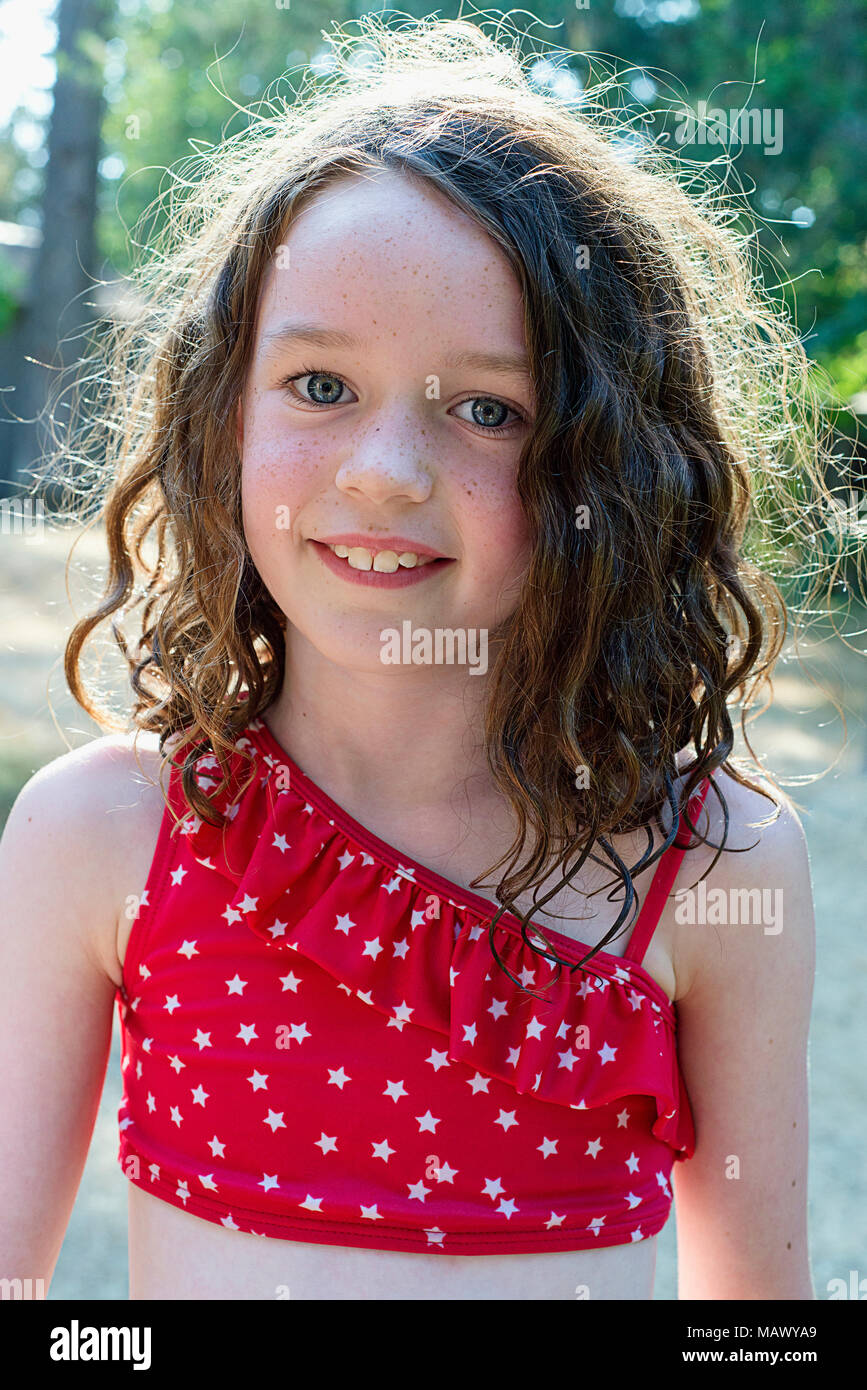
(514,363)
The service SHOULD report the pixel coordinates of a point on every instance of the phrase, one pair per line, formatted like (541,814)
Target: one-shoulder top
(318,1044)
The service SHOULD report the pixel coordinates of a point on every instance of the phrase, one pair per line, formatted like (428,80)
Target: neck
(414,731)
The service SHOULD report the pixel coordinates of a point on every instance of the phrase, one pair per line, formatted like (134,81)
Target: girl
(429,472)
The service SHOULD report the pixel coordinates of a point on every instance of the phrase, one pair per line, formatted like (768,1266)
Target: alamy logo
(76,1343)
(443,646)
(714,126)
(758,907)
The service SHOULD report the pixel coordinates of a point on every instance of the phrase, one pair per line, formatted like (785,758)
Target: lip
(400,544)
(373,579)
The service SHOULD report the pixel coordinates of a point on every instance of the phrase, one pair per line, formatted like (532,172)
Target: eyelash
(289,382)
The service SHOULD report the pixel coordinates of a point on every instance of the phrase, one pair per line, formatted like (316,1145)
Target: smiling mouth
(383,561)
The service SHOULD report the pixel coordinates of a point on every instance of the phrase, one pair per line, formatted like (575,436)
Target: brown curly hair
(666,379)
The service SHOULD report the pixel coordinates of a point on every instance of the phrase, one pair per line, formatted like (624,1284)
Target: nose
(387,459)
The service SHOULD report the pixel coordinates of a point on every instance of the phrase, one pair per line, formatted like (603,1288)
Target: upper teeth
(384,561)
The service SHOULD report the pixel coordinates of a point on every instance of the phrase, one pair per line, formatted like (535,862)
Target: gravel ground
(800,735)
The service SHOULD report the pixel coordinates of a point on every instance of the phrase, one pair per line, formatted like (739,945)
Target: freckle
(788,1245)
(793,1182)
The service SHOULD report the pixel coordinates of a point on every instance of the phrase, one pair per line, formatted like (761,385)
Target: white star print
(444,1033)
(401,1015)
(445,1173)
(479,1083)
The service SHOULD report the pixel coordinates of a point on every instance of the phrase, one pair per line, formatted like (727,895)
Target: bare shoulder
(92,817)
(723,918)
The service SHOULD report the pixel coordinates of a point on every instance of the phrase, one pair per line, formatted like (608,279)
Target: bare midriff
(175,1255)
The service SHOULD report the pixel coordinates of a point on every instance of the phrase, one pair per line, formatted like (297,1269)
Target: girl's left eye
(488,412)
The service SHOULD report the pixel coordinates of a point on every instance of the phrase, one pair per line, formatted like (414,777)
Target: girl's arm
(56,998)
(741,1200)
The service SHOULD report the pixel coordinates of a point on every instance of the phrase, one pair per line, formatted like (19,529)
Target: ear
(239,425)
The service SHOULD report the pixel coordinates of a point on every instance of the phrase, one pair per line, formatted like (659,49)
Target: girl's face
(378,416)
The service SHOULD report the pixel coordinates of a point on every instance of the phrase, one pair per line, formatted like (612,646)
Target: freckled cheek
(278,478)
(496,532)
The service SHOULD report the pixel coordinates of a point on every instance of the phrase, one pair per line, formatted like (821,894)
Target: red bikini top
(318,1044)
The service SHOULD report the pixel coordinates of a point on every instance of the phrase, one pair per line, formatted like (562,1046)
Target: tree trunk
(57,306)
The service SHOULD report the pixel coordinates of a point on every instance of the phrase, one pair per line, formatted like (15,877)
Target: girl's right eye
(322,383)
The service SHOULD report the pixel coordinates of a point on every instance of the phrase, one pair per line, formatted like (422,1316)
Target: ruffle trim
(419,949)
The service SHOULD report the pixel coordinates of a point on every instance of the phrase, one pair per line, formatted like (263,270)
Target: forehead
(392,256)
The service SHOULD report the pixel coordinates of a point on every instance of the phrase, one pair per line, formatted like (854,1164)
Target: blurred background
(99,97)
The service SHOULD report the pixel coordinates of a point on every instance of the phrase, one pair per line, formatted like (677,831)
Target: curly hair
(673,393)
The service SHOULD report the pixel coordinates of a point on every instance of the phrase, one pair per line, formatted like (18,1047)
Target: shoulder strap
(661,883)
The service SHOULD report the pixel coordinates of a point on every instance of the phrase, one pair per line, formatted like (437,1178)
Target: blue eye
(488,412)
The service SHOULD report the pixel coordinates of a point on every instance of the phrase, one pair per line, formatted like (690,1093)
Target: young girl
(430,473)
